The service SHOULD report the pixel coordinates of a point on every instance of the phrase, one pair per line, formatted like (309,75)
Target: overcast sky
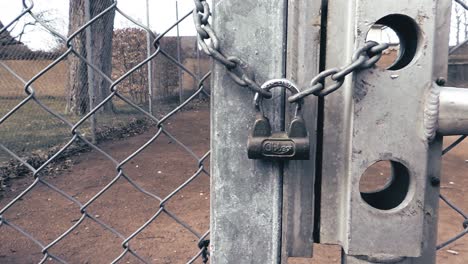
(162,15)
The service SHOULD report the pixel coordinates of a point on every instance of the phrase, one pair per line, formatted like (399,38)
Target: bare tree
(42,21)
(6,38)
(465,22)
(101,33)
(77,99)
(458,17)
(13,49)
(128,51)
(166,71)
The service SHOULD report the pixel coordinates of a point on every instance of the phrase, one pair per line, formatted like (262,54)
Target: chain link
(242,74)
(239,71)
(364,58)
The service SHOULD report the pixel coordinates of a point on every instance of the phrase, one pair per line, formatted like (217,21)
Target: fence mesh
(149,205)
(153,207)
(459,24)
(446,200)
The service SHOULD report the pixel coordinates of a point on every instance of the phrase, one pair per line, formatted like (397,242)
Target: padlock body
(278,146)
(291,145)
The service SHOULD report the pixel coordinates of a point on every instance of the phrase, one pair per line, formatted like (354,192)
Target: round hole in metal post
(385,184)
(403,36)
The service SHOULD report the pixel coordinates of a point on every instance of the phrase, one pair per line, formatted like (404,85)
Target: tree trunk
(466,24)
(77,96)
(101,32)
(459,21)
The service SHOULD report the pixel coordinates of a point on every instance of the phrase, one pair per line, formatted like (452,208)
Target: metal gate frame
(364,126)
(250,220)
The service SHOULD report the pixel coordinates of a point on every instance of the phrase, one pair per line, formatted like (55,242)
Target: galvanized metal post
(453,109)
(246,195)
(179,70)
(150,67)
(198,70)
(384,114)
(303,55)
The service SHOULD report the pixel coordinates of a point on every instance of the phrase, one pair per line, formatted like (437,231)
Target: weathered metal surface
(303,49)
(453,111)
(379,115)
(246,195)
(240,71)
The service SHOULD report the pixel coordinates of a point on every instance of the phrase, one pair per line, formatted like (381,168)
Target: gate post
(246,195)
(384,115)
(303,55)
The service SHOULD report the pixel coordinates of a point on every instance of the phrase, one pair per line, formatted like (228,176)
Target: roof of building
(459,53)
(6,39)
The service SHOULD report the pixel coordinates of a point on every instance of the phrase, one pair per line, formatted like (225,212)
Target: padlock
(265,144)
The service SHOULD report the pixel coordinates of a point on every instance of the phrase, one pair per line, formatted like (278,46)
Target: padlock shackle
(283,83)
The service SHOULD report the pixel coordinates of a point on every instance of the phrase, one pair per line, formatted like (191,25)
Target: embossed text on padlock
(265,144)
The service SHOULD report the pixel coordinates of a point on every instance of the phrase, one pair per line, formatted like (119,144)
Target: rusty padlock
(265,144)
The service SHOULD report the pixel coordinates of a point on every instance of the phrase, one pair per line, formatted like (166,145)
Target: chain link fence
(90,197)
(460,9)
(459,212)
(144,201)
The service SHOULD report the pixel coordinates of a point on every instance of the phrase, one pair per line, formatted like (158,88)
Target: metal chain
(239,71)
(244,76)
(363,58)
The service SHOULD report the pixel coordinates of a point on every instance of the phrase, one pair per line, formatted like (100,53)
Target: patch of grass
(31,128)
(52,83)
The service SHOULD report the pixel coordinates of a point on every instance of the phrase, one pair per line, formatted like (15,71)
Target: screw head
(441,81)
(435,181)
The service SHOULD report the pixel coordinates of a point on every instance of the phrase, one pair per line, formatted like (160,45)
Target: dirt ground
(160,169)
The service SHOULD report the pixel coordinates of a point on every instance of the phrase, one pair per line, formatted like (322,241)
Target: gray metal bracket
(303,53)
(379,115)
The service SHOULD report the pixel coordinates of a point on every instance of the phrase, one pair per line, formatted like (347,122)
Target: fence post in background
(246,195)
(179,70)
(198,69)
(90,71)
(384,115)
(150,68)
